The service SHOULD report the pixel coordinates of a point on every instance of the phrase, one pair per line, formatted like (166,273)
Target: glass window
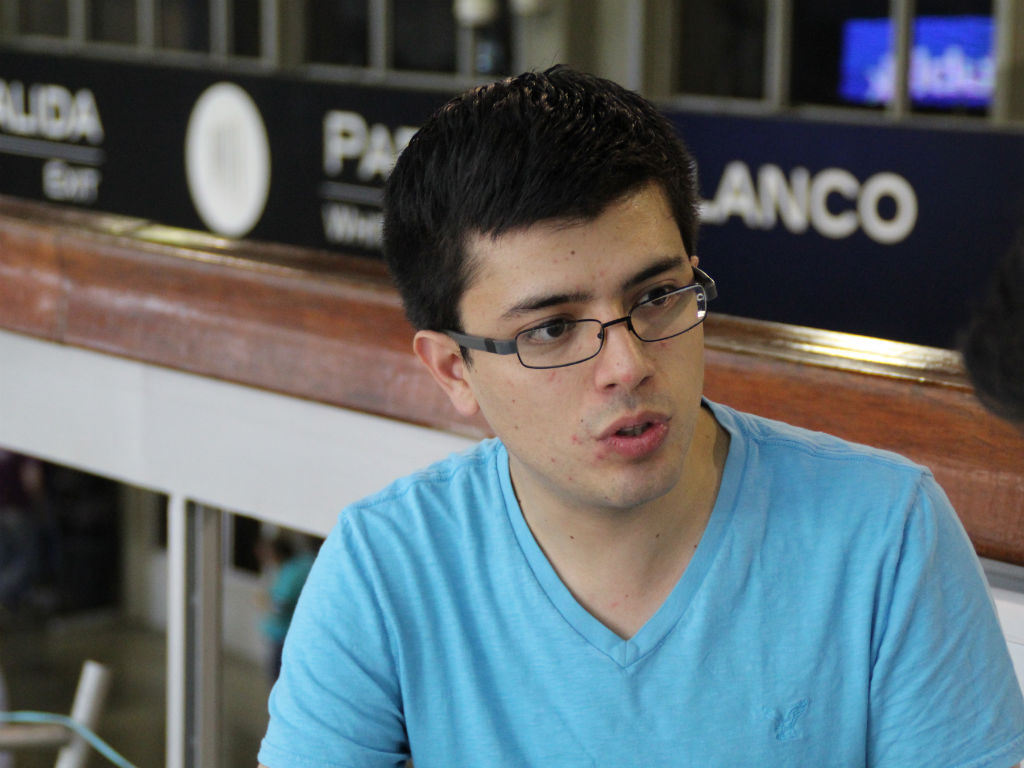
(818,30)
(43,17)
(844,54)
(246,27)
(424,35)
(493,45)
(112,21)
(952,65)
(338,32)
(246,533)
(185,24)
(721,48)
(60,542)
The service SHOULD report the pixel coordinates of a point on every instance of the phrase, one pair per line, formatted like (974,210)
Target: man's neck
(621,565)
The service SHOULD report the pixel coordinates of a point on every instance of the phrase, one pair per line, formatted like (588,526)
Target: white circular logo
(227,160)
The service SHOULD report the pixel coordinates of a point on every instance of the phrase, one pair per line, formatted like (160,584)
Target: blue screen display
(952,62)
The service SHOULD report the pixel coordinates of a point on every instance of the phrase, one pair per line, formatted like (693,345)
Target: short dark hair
(993,349)
(558,144)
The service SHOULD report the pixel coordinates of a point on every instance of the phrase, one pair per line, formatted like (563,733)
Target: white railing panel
(288,461)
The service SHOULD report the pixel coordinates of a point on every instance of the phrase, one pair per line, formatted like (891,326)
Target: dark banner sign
(879,230)
(266,157)
(884,231)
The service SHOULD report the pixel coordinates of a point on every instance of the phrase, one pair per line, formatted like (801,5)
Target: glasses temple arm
(482,343)
(705,281)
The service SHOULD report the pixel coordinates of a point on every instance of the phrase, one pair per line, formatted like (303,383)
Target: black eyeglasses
(558,343)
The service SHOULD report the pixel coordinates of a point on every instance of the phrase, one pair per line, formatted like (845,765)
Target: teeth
(634,431)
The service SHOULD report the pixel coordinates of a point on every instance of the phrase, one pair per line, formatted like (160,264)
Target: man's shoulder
(451,485)
(803,474)
(775,440)
(411,540)
(833,495)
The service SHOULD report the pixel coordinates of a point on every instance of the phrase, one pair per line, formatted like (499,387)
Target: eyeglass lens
(563,343)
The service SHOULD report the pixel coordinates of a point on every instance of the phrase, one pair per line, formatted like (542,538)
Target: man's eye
(652,296)
(548,333)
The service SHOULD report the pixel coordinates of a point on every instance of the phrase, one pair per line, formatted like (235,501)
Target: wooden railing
(330,328)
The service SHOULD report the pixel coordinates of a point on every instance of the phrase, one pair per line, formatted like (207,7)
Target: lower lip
(641,445)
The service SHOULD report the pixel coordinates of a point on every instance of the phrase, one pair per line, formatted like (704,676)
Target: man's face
(611,432)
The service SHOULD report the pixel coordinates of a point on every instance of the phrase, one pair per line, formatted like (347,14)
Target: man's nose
(623,361)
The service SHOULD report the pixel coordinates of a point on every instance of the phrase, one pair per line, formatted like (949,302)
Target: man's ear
(444,360)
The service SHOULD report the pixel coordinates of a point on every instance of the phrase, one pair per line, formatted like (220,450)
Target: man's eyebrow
(542,301)
(666,264)
(533,303)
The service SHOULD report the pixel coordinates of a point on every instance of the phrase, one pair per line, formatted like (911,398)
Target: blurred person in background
(993,349)
(21,489)
(21,486)
(287,561)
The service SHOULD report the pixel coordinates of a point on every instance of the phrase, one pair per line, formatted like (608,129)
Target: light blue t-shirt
(834,614)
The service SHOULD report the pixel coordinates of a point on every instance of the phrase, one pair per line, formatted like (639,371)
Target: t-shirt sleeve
(943,689)
(337,702)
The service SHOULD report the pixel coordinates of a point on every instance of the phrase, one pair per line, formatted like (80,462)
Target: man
(628,575)
(288,567)
(994,346)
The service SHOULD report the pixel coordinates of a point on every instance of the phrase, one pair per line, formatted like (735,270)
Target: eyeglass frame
(702,280)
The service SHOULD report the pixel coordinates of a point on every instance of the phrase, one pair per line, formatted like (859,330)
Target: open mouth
(634,430)
(637,440)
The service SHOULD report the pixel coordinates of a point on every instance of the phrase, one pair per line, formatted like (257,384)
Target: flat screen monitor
(952,62)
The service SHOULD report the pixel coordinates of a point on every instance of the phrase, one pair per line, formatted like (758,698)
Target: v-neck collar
(651,634)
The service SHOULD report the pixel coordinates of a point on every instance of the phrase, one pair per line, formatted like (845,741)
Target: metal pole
(221,41)
(270,32)
(282,33)
(379,33)
(1005,46)
(901,15)
(194,589)
(145,24)
(93,686)
(77,22)
(777,52)
(635,46)
(203,638)
(177,589)
(465,50)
